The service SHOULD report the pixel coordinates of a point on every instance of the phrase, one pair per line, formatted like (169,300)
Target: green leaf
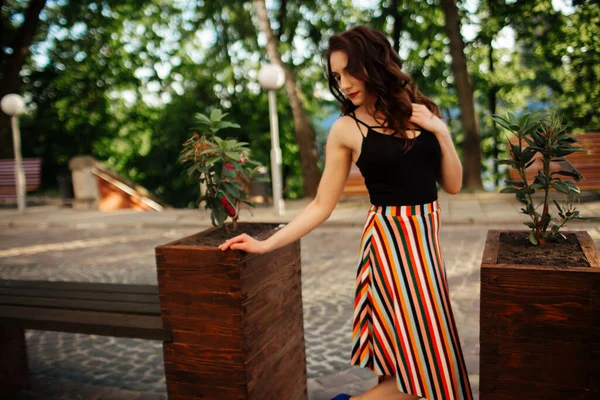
(504,162)
(529,164)
(225,125)
(527,155)
(560,186)
(509,190)
(532,238)
(218,140)
(522,198)
(572,186)
(575,175)
(515,183)
(558,206)
(220,213)
(529,224)
(216,115)
(191,170)
(516,149)
(213,160)
(232,190)
(202,119)
(528,190)
(233,156)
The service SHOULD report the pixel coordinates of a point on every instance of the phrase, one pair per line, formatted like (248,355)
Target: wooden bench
(91,308)
(586,161)
(8,183)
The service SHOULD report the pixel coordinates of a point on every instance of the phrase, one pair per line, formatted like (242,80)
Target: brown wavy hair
(372,60)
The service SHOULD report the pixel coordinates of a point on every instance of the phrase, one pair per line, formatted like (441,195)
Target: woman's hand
(244,242)
(427,120)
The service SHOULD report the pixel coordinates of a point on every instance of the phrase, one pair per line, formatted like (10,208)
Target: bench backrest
(8,183)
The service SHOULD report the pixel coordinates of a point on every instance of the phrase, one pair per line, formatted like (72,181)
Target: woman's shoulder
(342,131)
(343,121)
(342,125)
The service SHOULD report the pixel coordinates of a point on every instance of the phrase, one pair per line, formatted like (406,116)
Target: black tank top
(393,175)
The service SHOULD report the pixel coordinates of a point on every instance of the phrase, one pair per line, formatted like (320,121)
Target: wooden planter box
(236,321)
(539,328)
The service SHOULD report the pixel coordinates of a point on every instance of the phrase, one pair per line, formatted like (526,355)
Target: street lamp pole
(13,105)
(272,77)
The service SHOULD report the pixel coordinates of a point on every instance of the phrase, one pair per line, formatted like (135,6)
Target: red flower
(229,166)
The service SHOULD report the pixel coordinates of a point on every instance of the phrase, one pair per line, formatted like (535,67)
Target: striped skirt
(403,323)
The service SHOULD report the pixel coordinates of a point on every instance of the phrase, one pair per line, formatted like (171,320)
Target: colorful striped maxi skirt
(403,323)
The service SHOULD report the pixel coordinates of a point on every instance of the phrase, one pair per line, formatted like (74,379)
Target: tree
(305,135)
(10,81)
(471,145)
(563,51)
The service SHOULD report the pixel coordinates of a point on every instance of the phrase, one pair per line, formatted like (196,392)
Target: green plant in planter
(220,165)
(546,135)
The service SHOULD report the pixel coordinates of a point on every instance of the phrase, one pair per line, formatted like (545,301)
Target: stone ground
(76,366)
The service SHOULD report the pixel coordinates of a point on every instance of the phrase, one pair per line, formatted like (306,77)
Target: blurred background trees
(122,80)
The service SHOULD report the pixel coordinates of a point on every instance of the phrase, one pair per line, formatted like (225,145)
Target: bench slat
(88,322)
(80,295)
(78,304)
(80,286)
(31,167)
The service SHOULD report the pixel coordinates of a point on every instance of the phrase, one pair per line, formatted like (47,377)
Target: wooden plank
(490,251)
(152,308)
(589,249)
(95,323)
(77,295)
(80,286)
(507,276)
(179,388)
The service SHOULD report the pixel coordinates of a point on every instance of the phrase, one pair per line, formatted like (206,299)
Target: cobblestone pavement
(75,366)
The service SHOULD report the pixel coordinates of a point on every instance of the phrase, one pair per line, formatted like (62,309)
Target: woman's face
(354,89)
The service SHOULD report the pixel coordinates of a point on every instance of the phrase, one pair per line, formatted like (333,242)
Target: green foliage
(123,79)
(546,135)
(221,166)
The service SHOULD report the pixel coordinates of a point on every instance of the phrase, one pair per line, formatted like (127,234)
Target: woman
(403,330)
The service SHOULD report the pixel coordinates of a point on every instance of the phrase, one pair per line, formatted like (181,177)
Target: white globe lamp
(13,105)
(271,77)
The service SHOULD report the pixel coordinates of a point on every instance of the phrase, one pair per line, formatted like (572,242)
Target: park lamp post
(271,77)
(13,105)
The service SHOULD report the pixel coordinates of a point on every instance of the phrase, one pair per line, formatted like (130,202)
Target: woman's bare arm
(337,166)
(450,175)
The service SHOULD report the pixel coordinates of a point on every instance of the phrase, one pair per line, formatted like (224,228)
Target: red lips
(352,95)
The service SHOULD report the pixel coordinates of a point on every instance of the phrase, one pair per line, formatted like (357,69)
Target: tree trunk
(397,25)
(305,135)
(471,144)
(11,81)
(492,96)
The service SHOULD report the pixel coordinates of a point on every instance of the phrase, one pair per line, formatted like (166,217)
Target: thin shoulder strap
(358,122)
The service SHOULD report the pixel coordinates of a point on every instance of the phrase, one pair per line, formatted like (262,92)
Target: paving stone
(86,364)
